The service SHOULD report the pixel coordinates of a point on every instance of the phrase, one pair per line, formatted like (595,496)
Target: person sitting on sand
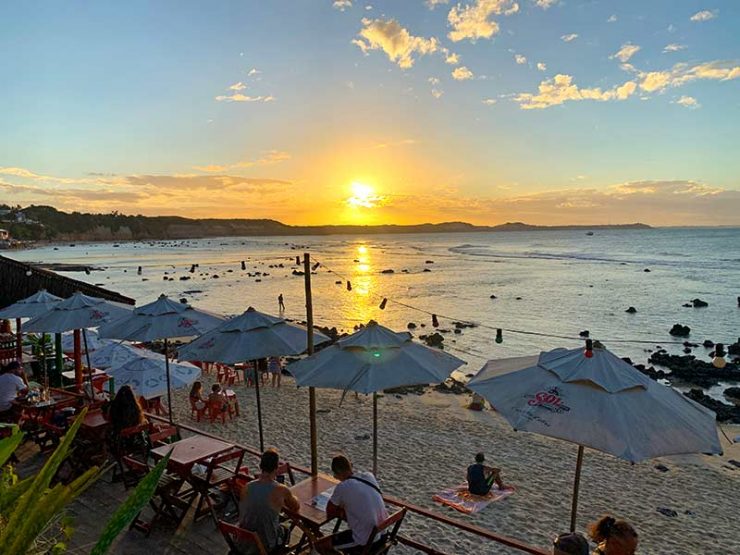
(571,543)
(356,499)
(481,477)
(262,501)
(615,537)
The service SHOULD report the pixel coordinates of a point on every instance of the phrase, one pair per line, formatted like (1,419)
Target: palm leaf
(9,444)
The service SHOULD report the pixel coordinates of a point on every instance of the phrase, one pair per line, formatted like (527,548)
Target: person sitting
(571,543)
(217,398)
(358,500)
(196,396)
(481,477)
(262,501)
(615,537)
(125,412)
(12,383)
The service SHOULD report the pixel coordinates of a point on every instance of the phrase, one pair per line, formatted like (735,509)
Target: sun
(363,195)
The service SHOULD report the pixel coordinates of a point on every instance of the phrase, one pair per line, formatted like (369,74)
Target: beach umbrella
(116,354)
(94,341)
(152,376)
(371,360)
(595,399)
(78,312)
(250,336)
(30,307)
(162,319)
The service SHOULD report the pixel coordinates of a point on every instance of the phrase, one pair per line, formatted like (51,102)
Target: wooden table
(305,491)
(95,425)
(190,451)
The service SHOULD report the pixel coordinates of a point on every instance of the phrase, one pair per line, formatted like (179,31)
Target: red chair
(237,537)
(390,539)
(196,412)
(218,408)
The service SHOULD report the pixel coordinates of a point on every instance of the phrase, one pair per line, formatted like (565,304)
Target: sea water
(549,282)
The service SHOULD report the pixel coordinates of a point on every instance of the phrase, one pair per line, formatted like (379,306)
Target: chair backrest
(393,523)
(160,437)
(234,535)
(234,454)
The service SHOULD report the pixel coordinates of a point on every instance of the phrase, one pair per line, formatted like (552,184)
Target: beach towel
(460,499)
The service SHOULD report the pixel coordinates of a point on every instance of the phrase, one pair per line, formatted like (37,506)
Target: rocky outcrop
(724,412)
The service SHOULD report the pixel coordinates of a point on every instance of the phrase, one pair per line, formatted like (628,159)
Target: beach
(427,441)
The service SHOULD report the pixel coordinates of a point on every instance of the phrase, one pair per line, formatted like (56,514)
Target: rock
(724,412)
(687,350)
(631,310)
(389,271)
(435,339)
(661,467)
(646,270)
(518,299)
(687,305)
(323,411)
(584,333)
(698,303)
(362,437)
(493,297)
(184,278)
(215,276)
(734,349)
(407,390)
(680,331)
(699,372)
(732,393)
(427,270)
(457,330)
(452,386)
(667,512)
(708,344)
(734,463)
(429,262)
(411,326)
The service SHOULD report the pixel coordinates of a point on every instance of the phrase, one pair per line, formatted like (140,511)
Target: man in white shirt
(11,384)
(358,500)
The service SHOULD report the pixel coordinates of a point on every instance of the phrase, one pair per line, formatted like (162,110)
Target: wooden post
(576,485)
(18,341)
(89,367)
(259,403)
(77,359)
(309,349)
(375,434)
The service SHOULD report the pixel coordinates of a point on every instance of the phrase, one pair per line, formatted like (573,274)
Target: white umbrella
(600,402)
(162,319)
(371,360)
(152,377)
(94,341)
(30,307)
(117,354)
(249,336)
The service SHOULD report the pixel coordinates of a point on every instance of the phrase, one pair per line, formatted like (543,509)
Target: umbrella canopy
(94,341)
(600,402)
(250,336)
(148,376)
(115,354)
(161,319)
(77,312)
(30,307)
(371,360)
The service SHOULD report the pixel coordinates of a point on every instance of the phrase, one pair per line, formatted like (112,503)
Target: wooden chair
(131,465)
(283,470)
(218,474)
(237,537)
(392,523)
(163,436)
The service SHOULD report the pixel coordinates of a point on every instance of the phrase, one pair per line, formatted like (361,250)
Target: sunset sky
(347,111)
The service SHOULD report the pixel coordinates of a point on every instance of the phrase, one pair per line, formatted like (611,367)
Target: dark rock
(724,412)
(687,305)
(688,368)
(661,467)
(215,276)
(708,344)
(427,270)
(299,273)
(429,262)
(184,278)
(646,270)
(518,299)
(734,463)
(453,386)
(493,297)
(687,350)
(389,271)
(698,303)
(667,512)
(407,390)
(584,333)
(734,349)
(732,393)
(457,330)
(631,310)
(411,326)
(680,331)
(435,339)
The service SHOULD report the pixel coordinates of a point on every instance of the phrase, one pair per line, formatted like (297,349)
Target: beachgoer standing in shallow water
(281,304)
(481,477)
(615,537)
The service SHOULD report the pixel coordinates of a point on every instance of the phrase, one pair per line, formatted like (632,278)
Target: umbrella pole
(89,367)
(375,434)
(58,354)
(77,359)
(169,388)
(18,341)
(576,485)
(309,350)
(259,404)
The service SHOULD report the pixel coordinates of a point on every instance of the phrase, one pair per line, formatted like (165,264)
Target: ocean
(547,282)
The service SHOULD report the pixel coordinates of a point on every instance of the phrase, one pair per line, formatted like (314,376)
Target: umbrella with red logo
(595,399)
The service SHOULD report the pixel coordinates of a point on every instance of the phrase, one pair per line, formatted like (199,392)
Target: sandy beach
(427,441)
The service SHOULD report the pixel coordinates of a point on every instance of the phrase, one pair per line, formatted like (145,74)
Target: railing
(421,511)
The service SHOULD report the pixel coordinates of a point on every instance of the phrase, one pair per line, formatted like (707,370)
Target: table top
(191,450)
(306,490)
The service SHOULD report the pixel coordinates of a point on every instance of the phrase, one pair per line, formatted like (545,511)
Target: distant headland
(36,223)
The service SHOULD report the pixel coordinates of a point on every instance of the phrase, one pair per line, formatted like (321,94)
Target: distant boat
(589,233)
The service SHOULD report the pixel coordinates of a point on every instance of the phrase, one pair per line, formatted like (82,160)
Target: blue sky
(485,111)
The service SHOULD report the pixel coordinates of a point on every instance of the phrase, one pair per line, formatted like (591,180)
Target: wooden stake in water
(309,349)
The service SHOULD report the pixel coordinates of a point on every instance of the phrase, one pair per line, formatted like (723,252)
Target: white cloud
(253,71)
(687,102)
(433,80)
(462,73)
(398,44)
(704,15)
(673,47)
(681,74)
(342,5)
(542,66)
(561,89)
(436,93)
(451,58)
(569,38)
(431,4)
(238,97)
(545,4)
(521,60)
(473,22)
(269,158)
(626,52)
(489,101)
(237,86)
(612,18)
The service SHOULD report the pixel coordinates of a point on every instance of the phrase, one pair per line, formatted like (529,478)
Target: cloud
(569,38)
(237,86)
(681,74)
(238,97)
(392,144)
(612,18)
(561,89)
(436,93)
(398,44)
(521,60)
(687,102)
(673,47)
(489,101)
(473,22)
(541,66)
(253,71)
(626,52)
(462,73)
(431,4)
(545,4)
(270,157)
(704,15)
(451,58)
(342,5)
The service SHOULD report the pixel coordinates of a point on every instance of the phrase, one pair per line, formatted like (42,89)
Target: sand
(426,443)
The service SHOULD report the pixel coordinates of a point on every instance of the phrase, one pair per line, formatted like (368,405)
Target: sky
(370,112)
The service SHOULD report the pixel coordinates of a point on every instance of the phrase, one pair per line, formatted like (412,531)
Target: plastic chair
(218,408)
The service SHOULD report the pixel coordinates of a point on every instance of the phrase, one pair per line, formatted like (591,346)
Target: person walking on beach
(481,477)
(356,499)
(281,304)
(615,537)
